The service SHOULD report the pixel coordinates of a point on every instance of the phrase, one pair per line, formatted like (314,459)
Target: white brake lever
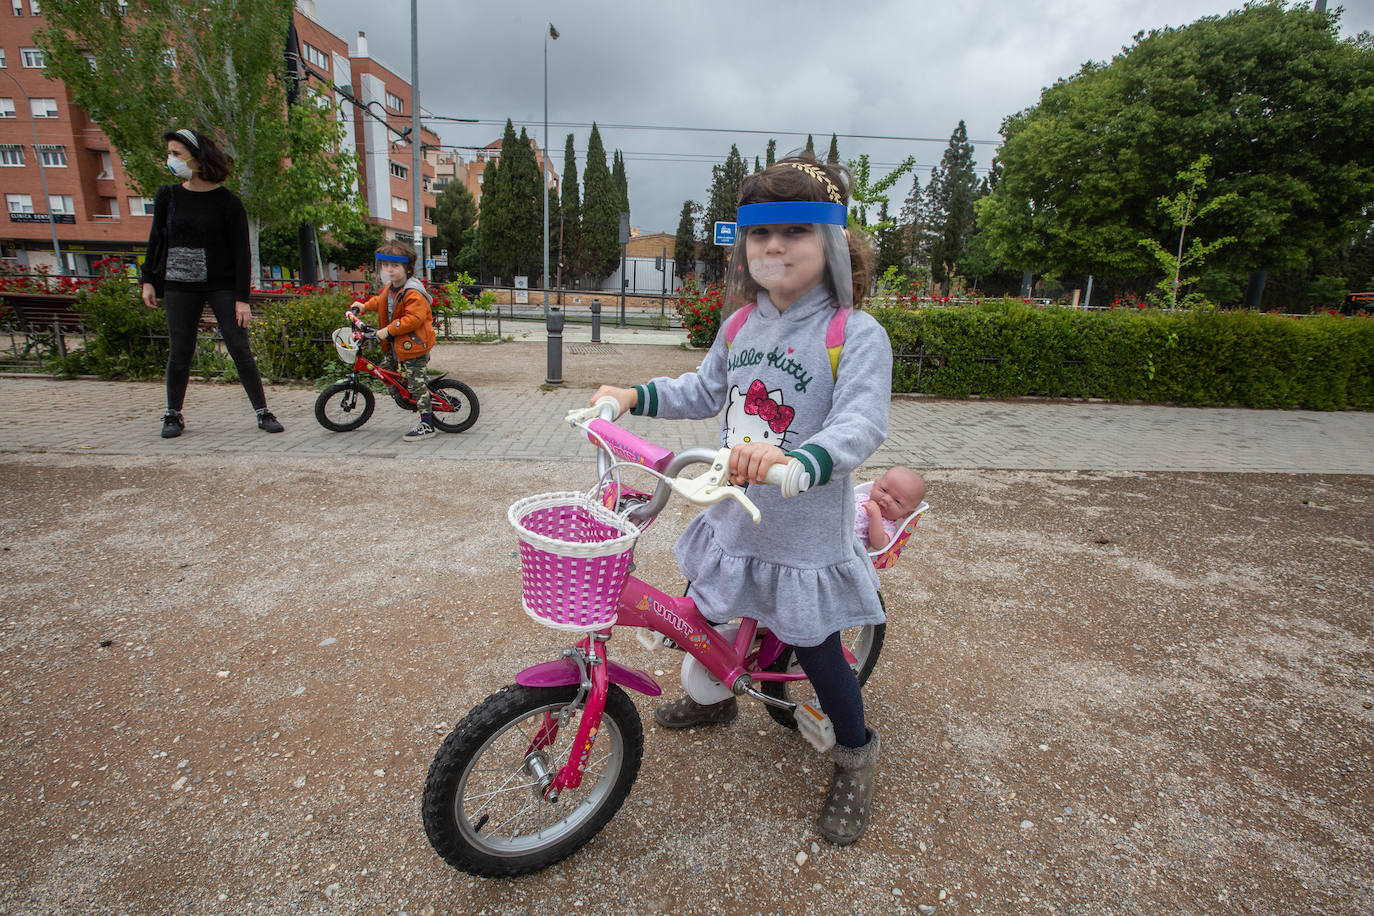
(714,485)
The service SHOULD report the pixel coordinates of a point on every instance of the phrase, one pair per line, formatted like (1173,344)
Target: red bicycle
(348,404)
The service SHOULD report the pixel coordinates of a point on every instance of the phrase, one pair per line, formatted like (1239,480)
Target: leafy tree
(888,238)
(722,206)
(352,248)
(833,155)
(685,245)
(600,212)
(217,66)
(570,211)
(866,193)
(455,212)
(1279,101)
(1185,208)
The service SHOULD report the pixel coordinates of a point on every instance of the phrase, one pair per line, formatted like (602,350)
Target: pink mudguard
(563,672)
(629,447)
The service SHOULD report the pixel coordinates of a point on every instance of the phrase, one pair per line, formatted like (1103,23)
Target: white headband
(190,138)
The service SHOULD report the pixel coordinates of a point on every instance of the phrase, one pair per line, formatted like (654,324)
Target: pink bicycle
(535,770)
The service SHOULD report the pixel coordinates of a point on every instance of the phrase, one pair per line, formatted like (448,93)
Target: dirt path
(222,681)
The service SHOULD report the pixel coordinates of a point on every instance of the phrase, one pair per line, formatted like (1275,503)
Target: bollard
(554,324)
(596,321)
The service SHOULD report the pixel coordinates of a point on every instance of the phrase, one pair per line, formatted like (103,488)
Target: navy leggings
(183,320)
(837,689)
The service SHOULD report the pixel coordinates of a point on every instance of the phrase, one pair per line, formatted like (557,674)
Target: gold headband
(819,175)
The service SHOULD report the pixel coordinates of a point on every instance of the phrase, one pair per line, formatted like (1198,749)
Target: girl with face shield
(802,377)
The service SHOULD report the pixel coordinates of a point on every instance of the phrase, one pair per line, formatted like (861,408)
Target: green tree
(600,212)
(1185,209)
(770,155)
(685,245)
(950,198)
(866,192)
(622,182)
(810,145)
(455,212)
(1273,93)
(352,248)
(526,186)
(833,154)
(722,205)
(500,246)
(570,211)
(216,66)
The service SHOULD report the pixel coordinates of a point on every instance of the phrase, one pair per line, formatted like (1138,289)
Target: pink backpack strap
(736,321)
(834,339)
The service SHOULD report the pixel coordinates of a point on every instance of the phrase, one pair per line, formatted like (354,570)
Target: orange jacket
(406,317)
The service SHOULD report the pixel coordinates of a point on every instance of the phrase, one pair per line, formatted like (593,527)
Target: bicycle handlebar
(367,330)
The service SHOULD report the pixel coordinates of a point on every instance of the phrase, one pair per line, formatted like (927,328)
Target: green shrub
(125,338)
(699,310)
(1008,348)
(291,337)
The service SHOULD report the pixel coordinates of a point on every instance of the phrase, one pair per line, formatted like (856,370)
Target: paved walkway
(519,421)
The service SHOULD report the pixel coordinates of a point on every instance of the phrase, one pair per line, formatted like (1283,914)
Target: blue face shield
(827,220)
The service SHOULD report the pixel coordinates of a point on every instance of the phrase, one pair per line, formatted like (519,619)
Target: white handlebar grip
(608,408)
(791,478)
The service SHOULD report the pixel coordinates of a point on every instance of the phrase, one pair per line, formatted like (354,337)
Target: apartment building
(453,166)
(60,176)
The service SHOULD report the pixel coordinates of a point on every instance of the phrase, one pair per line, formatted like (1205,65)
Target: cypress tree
(771,155)
(570,208)
(950,196)
(685,245)
(600,212)
(758,167)
(833,156)
(622,182)
(526,184)
(498,204)
(810,145)
(723,204)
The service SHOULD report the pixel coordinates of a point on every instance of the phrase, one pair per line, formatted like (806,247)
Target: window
(19,203)
(33,7)
(394,102)
(43,108)
(111,207)
(399,171)
(6,108)
(53,156)
(106,167)
(18,7)
(429,214)
(140,206)
(32,58)
(61,203)
(315,56)
(2,59)
(400,204)
(11,155)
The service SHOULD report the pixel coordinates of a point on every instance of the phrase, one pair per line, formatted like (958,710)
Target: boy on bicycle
(405,327)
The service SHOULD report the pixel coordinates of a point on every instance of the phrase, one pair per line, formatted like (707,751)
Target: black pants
(183,319)
(836,688)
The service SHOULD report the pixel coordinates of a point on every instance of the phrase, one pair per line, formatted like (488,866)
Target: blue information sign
(725,233)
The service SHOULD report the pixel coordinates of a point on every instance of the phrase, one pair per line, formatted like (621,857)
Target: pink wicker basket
(574,556)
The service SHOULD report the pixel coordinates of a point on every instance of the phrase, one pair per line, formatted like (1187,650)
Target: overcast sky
(900,68)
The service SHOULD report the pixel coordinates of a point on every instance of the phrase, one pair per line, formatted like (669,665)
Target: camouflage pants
(413,370)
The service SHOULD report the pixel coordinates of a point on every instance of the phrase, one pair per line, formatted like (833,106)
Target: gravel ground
(223,680)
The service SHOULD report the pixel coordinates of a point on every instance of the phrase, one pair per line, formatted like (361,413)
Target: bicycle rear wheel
(484,809)
(864,643)
(453,404)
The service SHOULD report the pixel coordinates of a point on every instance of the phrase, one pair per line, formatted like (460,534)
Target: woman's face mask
(179,167)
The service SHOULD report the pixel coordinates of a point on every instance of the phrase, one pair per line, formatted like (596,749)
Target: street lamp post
(552,33)
(43,174)
(418,183)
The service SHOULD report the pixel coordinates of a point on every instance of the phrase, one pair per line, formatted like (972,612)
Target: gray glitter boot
(845,814)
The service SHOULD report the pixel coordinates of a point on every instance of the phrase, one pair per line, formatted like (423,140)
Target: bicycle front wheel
(453,404)
(344,406)
(865,643)
(484,807)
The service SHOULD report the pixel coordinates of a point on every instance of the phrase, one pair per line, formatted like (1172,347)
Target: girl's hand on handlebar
(626,398)
(749,463)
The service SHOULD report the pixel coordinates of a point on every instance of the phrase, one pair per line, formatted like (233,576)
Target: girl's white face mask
(179,167)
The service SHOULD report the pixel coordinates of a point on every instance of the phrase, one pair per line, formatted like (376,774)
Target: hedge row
(1205,358)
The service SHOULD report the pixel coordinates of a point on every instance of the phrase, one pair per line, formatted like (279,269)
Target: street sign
(440,261)
(725,233)
(429,263)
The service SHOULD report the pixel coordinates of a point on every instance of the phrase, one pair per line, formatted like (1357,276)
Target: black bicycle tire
(369,405)
(468,394)
(464,748)
(778,689)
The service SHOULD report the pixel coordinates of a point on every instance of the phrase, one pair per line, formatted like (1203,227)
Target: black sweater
(199,241)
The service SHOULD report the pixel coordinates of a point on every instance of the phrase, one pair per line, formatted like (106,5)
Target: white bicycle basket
(345,345)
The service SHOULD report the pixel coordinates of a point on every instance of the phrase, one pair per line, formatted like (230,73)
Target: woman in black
(198,250)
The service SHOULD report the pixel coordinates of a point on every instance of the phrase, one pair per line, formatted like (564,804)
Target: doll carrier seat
(887,555)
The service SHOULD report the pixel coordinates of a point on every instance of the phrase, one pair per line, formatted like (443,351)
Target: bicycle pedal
(815,727)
